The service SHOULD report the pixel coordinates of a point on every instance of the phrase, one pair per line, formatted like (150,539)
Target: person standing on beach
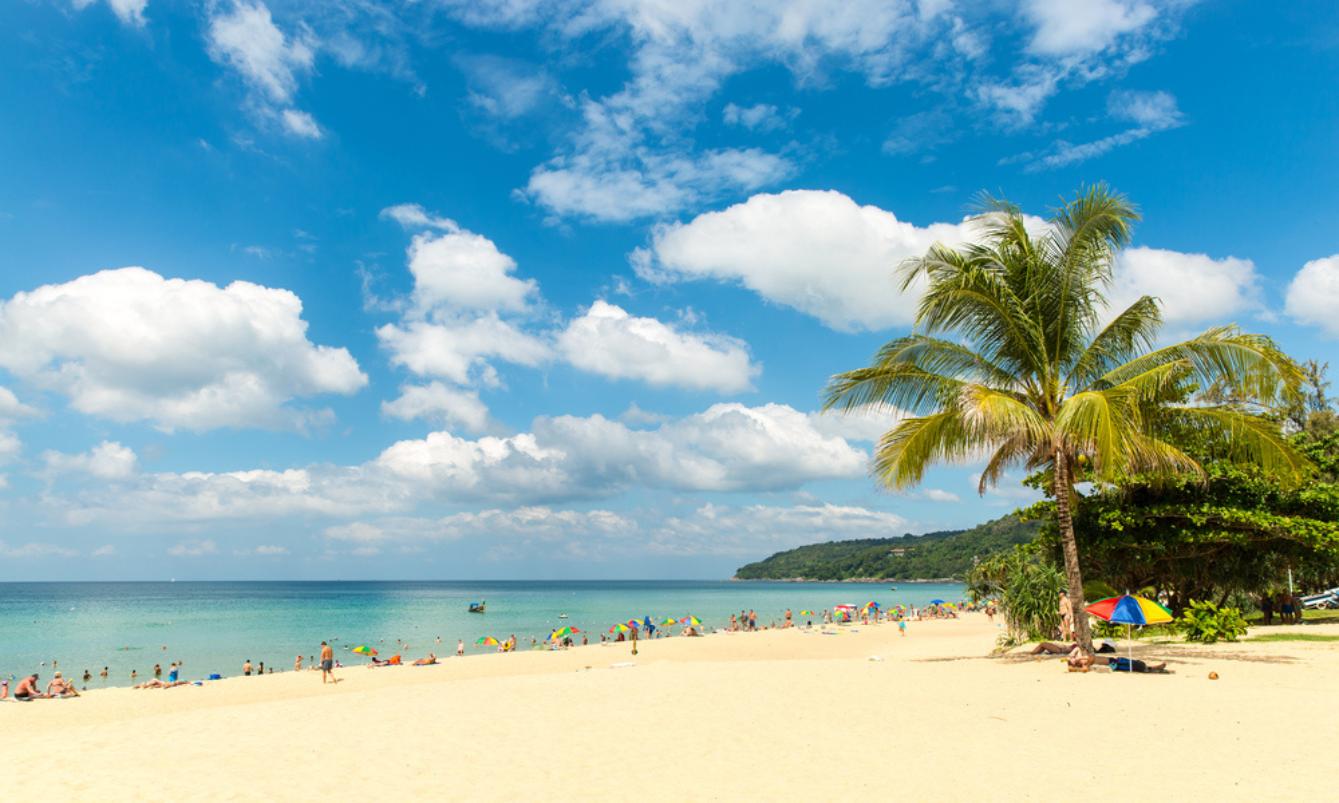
(297,664)
(753,620)
(327,664)
(1066,618)
(460,648)
(246,667)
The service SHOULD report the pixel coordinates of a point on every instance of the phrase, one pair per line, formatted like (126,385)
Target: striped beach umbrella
(363,649)
(487,641)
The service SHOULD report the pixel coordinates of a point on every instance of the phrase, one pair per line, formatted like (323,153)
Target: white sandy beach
(777,715)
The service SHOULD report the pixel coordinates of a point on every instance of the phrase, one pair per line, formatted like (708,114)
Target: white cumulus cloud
(437,402)
(1313,294)
(130,345)
(606,340)
(108,460)
(1195,289)
(816,251)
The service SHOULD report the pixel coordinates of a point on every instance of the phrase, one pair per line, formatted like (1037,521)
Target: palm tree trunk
(1064,518)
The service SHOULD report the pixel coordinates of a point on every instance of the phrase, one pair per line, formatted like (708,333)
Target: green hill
(909,557)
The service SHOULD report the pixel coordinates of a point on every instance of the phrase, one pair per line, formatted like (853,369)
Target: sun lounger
(1325,599)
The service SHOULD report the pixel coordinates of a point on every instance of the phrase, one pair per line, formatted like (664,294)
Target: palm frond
(909,449)
(1250,365)
(1245,438)
(1130,332)
(898,386)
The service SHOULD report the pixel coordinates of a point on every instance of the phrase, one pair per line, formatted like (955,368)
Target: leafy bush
(1207,623)
(1028,589)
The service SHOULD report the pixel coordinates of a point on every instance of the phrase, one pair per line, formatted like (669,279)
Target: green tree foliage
(1028,588)
(1015,355)
(910,557)
(1237,531)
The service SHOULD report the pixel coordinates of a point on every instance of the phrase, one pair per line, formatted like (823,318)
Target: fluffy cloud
(726,448)
(716,530)
(629,159)
(532,523)
(1066,28)
(758,117)
(193,549)
(453,349)
(11,408)
(129,12)
(243,36)
(757,530)
(10,447)
(462,269)
(815,251)
(130,345)
(821,253)
(436,401)
(35,550)
(300,123)
(108,460)
(1313,294)
(606,340)
(1195,289)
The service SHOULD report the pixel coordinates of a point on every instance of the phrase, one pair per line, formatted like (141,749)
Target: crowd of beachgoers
(30,687)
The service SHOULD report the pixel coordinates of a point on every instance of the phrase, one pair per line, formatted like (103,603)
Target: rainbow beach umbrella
(691,620)
(670,621)
(363,649)
(487,641)
(1130,610)
(806,612)
(619,628)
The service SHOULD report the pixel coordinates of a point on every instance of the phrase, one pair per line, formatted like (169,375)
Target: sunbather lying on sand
(1052,648)
(161,684)
(1136,665)
(429,661)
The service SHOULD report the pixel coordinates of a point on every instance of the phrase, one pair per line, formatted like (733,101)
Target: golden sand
(777,715)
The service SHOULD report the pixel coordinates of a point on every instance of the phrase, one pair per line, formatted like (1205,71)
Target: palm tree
(1014,359)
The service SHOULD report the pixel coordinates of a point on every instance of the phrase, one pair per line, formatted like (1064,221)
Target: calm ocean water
(214,627)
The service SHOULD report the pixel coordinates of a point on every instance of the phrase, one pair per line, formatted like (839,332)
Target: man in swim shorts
(327,664)
(27,689)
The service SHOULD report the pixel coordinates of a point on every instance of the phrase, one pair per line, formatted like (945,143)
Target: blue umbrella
(936,602)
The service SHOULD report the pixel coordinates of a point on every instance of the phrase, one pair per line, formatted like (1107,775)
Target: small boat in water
(560,616)
(478,607)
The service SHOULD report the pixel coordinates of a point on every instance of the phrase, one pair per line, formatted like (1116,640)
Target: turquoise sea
(212,627)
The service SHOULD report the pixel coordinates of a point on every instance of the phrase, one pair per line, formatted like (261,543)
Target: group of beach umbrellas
(646,624)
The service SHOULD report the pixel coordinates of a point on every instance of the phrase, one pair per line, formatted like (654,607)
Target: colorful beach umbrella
(670,621)
(363,649)
(806,612)
(690,620)
(1130,610)
(488,641)
(619,628)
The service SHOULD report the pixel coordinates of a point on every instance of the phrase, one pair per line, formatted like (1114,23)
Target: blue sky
(549,289)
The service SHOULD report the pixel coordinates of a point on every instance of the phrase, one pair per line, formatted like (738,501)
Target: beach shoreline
(778,715)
